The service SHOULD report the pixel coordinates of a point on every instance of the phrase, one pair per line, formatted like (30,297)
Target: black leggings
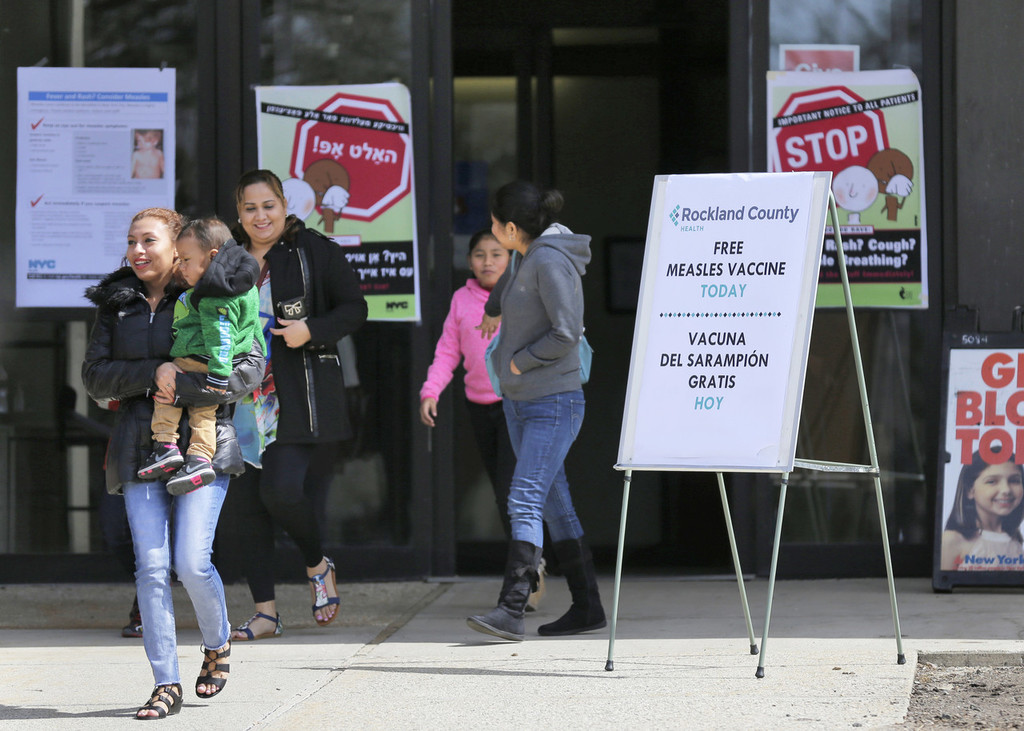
(491,432)
(256,502)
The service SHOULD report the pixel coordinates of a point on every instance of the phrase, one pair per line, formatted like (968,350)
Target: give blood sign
(829,128)
(355,154)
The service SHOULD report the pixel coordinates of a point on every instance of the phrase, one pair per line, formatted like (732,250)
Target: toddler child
(214,322)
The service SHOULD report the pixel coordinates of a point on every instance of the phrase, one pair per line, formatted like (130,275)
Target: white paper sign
(95,146)
(723,323)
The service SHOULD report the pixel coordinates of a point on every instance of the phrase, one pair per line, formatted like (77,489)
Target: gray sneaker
(196,472)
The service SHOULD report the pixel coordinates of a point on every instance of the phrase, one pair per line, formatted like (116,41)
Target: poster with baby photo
(980,505)
(865,128)
(94,146)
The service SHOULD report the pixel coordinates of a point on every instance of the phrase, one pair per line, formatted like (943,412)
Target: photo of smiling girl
(983,529)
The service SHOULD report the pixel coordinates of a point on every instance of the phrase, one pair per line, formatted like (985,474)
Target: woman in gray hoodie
(538,365)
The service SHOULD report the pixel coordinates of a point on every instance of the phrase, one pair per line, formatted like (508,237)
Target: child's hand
(428,410)
(216,390)
(295,332)
(488,326)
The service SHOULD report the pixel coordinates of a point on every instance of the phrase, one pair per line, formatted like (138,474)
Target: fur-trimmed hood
(119,288)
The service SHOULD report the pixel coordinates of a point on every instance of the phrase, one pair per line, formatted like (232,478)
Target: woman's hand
(488,326)
(428,410)
(166,379)
(295,332)
(512,367)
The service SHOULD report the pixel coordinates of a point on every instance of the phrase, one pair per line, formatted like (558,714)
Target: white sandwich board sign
(724,321)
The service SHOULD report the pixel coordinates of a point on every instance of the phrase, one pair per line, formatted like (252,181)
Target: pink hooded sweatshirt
(461,340)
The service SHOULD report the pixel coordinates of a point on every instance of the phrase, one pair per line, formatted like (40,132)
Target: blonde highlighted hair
(173,220)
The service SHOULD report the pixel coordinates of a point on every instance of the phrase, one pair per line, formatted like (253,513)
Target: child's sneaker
(196,472)
(162,462)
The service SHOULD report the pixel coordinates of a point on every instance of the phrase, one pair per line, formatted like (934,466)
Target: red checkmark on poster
(37,200)
(36,124)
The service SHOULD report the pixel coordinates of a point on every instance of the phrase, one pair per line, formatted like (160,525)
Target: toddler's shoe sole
(190,478)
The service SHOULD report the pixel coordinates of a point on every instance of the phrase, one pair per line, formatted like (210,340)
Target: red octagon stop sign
(360,149)
(828,128)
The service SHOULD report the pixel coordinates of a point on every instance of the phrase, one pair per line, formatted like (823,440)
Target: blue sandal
(320,596)
(244,628)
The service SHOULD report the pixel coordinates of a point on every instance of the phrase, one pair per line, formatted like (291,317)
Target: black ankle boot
(586,612)
(506,619)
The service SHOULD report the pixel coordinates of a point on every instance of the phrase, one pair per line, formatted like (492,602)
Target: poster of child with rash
(982,498)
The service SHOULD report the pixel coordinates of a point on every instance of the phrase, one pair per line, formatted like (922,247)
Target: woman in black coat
(310,297)
(128,359)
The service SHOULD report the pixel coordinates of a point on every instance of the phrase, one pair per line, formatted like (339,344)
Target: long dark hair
(253,177)
(963,518)
(527,206)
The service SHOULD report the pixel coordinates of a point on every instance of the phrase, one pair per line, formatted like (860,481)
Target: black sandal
(166,701)
(212,664)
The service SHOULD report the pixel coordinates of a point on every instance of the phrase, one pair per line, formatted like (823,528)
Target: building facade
(592,98)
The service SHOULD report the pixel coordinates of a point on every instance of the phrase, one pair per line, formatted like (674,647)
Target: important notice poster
(723,324)
(344,154)
(865,128)
(95,145)
(982,498)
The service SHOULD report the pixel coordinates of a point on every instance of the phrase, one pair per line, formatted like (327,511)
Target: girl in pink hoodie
(461,341)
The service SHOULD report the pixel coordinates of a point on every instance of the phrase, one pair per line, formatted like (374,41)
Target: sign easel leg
(868,428)
(771,575)
(901,659)
(736,562)
(610,665)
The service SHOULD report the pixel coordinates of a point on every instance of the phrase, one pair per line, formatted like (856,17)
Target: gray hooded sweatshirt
(541,303)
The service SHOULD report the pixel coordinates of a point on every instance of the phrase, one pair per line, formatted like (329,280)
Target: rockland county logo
(676,217)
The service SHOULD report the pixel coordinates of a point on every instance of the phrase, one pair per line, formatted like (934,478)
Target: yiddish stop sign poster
(724,321)
(344,155)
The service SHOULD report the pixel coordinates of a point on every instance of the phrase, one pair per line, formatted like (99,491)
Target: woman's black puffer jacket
(127,344)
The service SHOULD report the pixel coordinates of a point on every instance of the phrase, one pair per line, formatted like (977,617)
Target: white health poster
(723,323)
(95,146)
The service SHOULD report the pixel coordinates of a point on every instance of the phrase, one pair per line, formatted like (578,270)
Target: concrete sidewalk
(402,657)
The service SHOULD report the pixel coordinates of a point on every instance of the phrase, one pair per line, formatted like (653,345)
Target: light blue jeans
(176,532)
(542,430)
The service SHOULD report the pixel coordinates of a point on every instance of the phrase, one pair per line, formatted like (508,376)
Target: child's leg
(165,423)
(201,419)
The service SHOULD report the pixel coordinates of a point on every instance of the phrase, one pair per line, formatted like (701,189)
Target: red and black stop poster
(345,158)
(865,128)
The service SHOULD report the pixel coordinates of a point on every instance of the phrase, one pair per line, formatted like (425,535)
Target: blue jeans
(151,512)
(542,430)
